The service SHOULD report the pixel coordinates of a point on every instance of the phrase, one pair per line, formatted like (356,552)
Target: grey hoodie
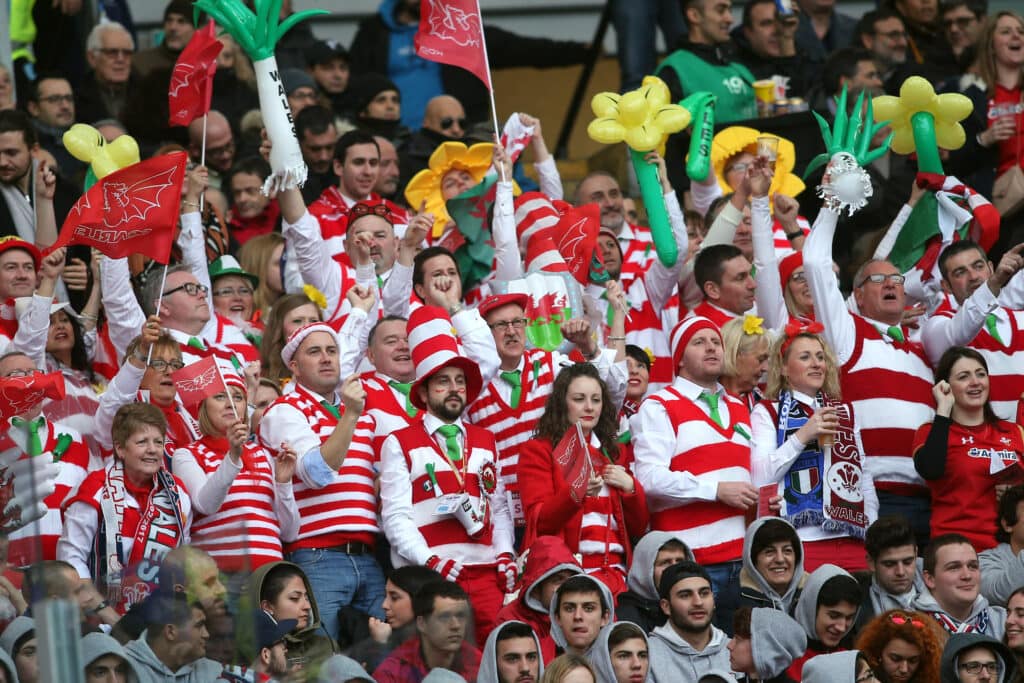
(641,603)
(806,611)
(96,645)
(341,669)
(776,641)
(754,587)
(959,642)
(8,664)
(674,660)
(488,672)
(986,619)
(14,631)
(1002,573)
(151,670)
(838,667)
(443,676)
(601,656)
(556,629)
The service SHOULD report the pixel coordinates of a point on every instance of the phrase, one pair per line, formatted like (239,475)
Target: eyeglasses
(57,99)
(879,278)
(24,373)
(304,94)
(232,291)
(162,365)
(960,22)
(892,35)
(502,326)
(904,619)
(740,167)
(223,150)
(122,52)
(975,667)
(449,121)
(191,288)
(361,209)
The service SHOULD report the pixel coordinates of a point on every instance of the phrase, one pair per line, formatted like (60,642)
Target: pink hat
(434,346)
(495,301)
(298,335)
(790,264)
(683,332)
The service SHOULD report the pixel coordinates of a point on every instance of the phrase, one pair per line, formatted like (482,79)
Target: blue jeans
(725,584)
(340,579)
(635,23)
(916,510)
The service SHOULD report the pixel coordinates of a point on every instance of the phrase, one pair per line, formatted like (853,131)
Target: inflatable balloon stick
(258,34)
(86,144)
(923,122)
(701,106)
(643,119)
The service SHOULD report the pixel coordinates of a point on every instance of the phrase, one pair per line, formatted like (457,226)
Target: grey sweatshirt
(838,667)
(488,672)
(750,574)
(151,670)
(984,618)
(1002,572)
(776,641)
(673,660)
(96,645)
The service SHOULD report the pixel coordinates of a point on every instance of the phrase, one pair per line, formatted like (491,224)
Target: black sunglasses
(448,122)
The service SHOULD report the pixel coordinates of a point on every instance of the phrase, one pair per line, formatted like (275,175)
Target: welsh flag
(471,212)
(191,87)
(572,455)
(20,394)
(576,239)
(199,381)
(451,32)
(131,211)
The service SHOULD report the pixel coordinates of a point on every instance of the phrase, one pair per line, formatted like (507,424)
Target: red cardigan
(550,509)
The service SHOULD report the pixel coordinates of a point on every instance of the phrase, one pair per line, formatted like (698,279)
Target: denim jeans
(725,584)
(340,579)
(916,510)
(635,23)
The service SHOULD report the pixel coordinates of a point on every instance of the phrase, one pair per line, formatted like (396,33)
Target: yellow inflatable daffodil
(86,144)
(425,186)
(642,118)
(917,96)
(737,139)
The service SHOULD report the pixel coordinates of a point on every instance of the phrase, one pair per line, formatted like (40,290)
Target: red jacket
(405,663)
(550,508)
(546,556)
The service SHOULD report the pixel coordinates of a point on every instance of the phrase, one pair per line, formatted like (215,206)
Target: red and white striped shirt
(637,245)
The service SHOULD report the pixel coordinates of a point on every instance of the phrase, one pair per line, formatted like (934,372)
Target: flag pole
(159,302)
(490,87)
(202,159)
(228,390)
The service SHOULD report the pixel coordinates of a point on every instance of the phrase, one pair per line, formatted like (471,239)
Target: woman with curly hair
(595,520)
(902,647)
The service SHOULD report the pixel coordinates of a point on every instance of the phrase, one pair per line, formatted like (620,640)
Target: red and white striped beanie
(434,345)
(299,335)
(535,214)
(683,332)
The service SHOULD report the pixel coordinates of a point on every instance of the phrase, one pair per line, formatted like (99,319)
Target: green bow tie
(331,409)
(404,388)
(515,380)
(712,401)
(35,444)
(451,443)
(896,334)
(991,323)
(196,343)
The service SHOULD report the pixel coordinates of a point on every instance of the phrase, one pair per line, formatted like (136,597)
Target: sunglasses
(905,619)
(361,209)
(449,121)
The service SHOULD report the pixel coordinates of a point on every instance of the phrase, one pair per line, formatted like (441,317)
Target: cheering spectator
(827,611)
(773,565)
(952,589)
(232,295)
(289,313)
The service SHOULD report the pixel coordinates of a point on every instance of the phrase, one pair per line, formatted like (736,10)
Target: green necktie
(403,388)
(331,409)
(712,401)
(451,443)
(35,444)
(515,380)
(896,334)
(196,343)
(990,325)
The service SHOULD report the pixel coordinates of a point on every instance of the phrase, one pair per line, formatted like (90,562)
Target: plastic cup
(467,515)
(764,90)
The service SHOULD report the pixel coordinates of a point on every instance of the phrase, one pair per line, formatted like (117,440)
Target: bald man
(443,120)
(220,145)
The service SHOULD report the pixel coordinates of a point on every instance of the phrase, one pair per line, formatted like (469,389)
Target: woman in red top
(967,455)
(598,518)
(1001,67)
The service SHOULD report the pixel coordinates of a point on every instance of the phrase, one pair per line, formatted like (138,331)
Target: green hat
(229,265)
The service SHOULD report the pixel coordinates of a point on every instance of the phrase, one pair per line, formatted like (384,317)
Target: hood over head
(838,667)
(960,642)
(556,628)
(546,556)
(8,664)
(488,672)
(776,640)
(443,676)
(254,586)
(600,656)
(96,645)
(807,607)
(14,631)
(342,669)
(641,571)
(786,599)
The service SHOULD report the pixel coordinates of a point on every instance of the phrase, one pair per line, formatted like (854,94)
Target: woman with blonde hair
(264,257)
(807,443)
(569,668)
(905,647)
(746,358)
